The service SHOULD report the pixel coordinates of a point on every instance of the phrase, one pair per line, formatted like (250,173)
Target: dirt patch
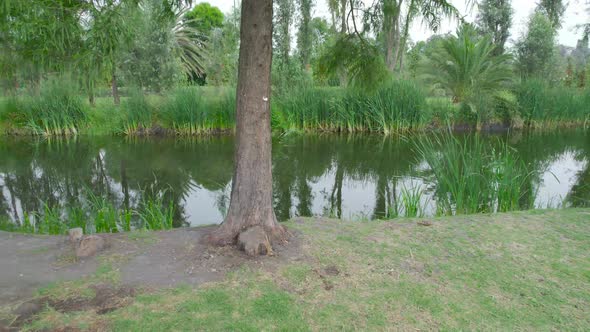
(150,259)
(107,298)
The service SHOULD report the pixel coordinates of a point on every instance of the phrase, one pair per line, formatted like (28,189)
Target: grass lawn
(516,271)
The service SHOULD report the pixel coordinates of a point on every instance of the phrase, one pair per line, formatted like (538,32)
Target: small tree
(535,49)
(465,66)
(495,19)
(204,18)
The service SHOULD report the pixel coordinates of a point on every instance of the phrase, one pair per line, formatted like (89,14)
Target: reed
(396,106)
(138,113)
(57,110)
(189,112)
(543,106)
(155,215)
(98,216)
(474,176)
(411,201)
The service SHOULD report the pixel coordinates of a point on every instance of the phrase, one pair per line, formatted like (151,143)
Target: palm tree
(189,45)
(466,68)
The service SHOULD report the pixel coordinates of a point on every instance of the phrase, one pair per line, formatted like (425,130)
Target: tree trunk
(251,220)
(16,85)
(115,89)
(391,27)
(91,100)
(343,25)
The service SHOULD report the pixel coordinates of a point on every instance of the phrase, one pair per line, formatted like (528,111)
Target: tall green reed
(542,105)
(58,110)
(189,112)
(474,176)
(394,107)
(154,214)
(139,113)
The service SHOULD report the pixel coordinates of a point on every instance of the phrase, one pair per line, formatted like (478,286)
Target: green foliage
(204,18)
(58,110)
(155,215)
(100,216)
(474,177)
(467,69)
(221,66)
(190,114)
(554,9)
(541,104)
(495,19)
(139,113)
(359,59)
(304,34)
(411,201)
(394,107)
(150,62)
(535,49)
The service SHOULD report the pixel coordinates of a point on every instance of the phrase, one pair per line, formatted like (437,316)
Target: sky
(568,35)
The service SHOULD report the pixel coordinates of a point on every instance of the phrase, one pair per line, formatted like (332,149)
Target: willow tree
(108,32)
(251,220)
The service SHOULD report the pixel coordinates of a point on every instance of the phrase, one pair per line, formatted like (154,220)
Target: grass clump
(189,112)
(57,110)
(541,105)
(396,106)
(100,216)
(139,113)
(154,214)
(473,176)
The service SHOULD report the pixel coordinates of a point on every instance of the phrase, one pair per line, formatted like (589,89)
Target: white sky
(568,35)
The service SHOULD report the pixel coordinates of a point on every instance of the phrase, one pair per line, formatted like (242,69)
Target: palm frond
(190,45)
(465,65)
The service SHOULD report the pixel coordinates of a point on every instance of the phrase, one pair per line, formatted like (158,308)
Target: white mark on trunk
(265,98)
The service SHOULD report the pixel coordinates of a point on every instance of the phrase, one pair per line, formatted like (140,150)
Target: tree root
(254,240)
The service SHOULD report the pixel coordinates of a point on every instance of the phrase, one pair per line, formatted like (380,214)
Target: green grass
(518,271)
(139,114)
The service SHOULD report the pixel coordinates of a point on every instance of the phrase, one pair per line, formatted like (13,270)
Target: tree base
(255,240)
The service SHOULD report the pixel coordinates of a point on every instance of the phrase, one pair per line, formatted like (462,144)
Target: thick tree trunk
(115,89)
(251,220)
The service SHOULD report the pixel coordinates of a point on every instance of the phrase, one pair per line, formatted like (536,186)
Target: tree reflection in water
(340,176)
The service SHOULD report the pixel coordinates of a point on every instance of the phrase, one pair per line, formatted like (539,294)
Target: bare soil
(145,259)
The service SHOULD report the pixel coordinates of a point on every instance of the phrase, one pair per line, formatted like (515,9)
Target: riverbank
(397,107)
(516,271)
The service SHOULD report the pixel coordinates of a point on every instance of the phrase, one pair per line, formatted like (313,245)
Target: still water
(352,177)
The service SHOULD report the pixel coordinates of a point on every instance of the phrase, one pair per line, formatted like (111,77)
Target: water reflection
(339,176)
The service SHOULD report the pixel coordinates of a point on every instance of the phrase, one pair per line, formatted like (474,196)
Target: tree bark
(250,209)
(91,99)
(391,27)
(115,89)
